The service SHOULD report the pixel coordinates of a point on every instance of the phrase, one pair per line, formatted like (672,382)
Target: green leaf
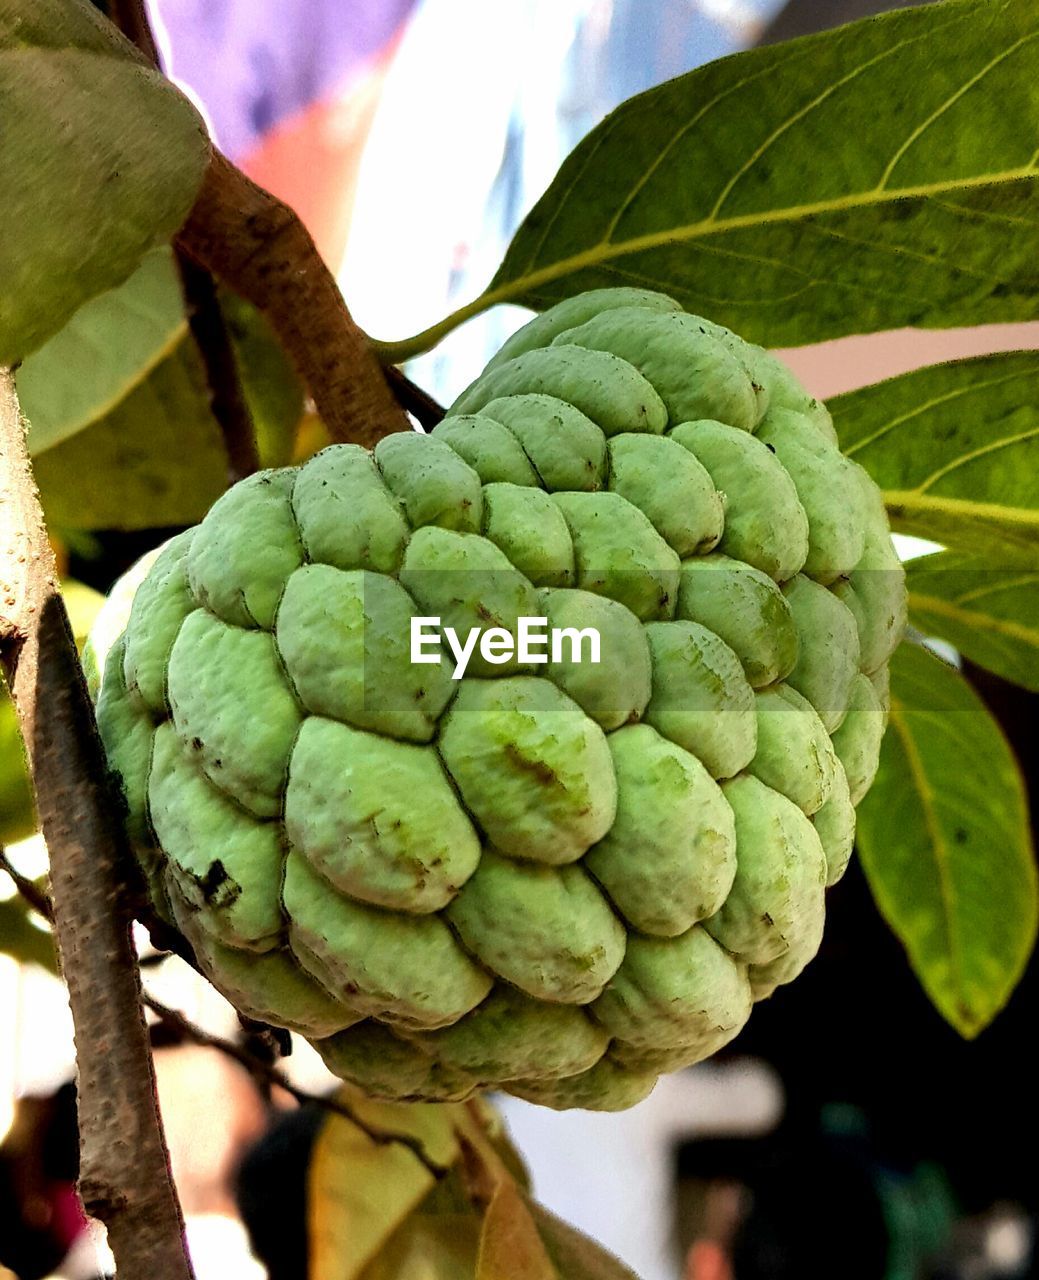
(157,459)
(877,175)
(101,158)
(273,390)
(20,938)
(124,375)
(945,842)
(574,1255)
(955,447)
(991,615)
(107,348)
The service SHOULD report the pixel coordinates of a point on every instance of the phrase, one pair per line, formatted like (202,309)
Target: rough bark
(257,244)
(124,1168)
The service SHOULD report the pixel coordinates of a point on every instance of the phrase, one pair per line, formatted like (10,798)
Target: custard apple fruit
(558,878)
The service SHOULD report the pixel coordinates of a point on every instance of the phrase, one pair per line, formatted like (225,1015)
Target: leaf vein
(992,446)
(950,101)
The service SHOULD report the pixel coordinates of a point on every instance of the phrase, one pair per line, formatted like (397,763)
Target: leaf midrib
(974,618)
(937,841)
(607,250)
(899,501)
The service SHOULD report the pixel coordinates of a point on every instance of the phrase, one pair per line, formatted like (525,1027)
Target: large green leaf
(107,348)
(955,447)
(991,615)
(946,845)
(101,159)
(122,432)
(878,175)
(157,459)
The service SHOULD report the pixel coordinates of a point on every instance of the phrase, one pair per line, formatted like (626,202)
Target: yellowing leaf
(359,1192)
(575,1256)
(510,1246)
(427,1127)
(430,1247)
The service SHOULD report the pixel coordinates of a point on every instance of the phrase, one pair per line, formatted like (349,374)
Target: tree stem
(414,399)
(124,1167)
(131,17)
(249,238)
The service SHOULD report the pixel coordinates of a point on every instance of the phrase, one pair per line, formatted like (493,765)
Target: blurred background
(848,1132)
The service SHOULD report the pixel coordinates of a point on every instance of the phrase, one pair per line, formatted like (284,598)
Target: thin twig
(416,401)
(226,397)
(272,1075)
(201,302)
(261,1069)
(32,893)
(254,242)
(124,1167)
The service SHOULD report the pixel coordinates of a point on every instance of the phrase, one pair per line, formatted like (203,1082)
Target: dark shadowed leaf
(955,447)
(156,459)
(101,159)
(429,1247)
(273,390)
(120,388)
(945,842)
(991,615)
(20,938)
(877,175)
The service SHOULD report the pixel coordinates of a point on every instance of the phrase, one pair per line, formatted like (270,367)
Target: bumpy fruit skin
(558,880)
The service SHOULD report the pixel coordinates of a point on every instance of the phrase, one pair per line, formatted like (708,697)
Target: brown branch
(412,398)
(32,893)
(124,1167)
(226,398)
(131,17)
(257,244)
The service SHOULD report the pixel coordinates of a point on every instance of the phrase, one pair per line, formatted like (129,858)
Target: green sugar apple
(553,876)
